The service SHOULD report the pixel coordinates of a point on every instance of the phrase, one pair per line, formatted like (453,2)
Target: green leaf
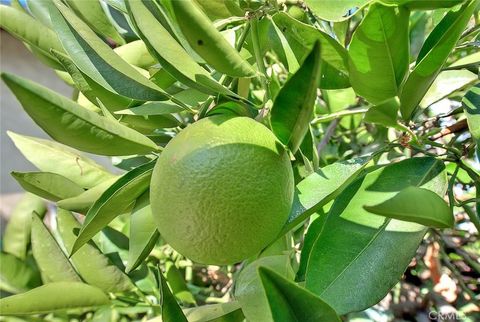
(302,37)
(335,10)
(290,302)
(314,229)
(92,13)
(49,156)
(91,89)
(40,10)
(171,311)
(94,267)
(85,200)
(286,53)
(53,297)
(249,291)
(48,185)
(422,4)
(447,83)
(168,51)
(467,60)
(97,60)
(385,113)
(293,107)
(208,42)
(52,262)
(143,232)
(471,106)
(152,108)
(113,202)
(220,9)
(69,123)
(16,236)
(416,205)
(358,248)
(433,55)
(27,29)
(316,190)
(379,53)
(178,285)
(17,276)
(221,312)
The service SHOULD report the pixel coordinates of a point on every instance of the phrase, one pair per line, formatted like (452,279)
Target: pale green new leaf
(332,10)
(16,237)
(60,159)
(93,266)
(17,276)
(54,297)
(54,266)
(48,185)
(143,232)
(221,312)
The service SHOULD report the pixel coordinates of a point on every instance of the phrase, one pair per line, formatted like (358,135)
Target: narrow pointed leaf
(353,240)
(85,200)
(471,106)
(113,202)
(16,237)
(143,232)
(385,113)
(60,159)
(52,262)
(136,53)
(290,302)
(53,297)
(293,107)
(24,27)
(416,205)
(48,185)
(379,53)
(433,56)
(97,60)
(171,311)
(69,123)
(168,51)
(92,13)
(94,267)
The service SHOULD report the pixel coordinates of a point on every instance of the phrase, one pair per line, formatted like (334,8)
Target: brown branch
(454,128)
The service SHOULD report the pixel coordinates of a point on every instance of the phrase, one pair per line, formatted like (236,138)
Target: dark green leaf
(118,198)
(94,267)
(416,205)
(53,297)
(16,236)
(143,232)
(433,55)
(471,106)
(69,123)
(353,240)
(52,262)
(171,311)
(379,53)
(293,107)
(290,302)
(97,60)
(48,185)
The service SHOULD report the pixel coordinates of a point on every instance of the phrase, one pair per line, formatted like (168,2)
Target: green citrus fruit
(222,189)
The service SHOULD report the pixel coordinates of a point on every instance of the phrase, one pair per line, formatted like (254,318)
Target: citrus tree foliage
(377,103)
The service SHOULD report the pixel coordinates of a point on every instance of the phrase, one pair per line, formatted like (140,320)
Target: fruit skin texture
(222,190)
